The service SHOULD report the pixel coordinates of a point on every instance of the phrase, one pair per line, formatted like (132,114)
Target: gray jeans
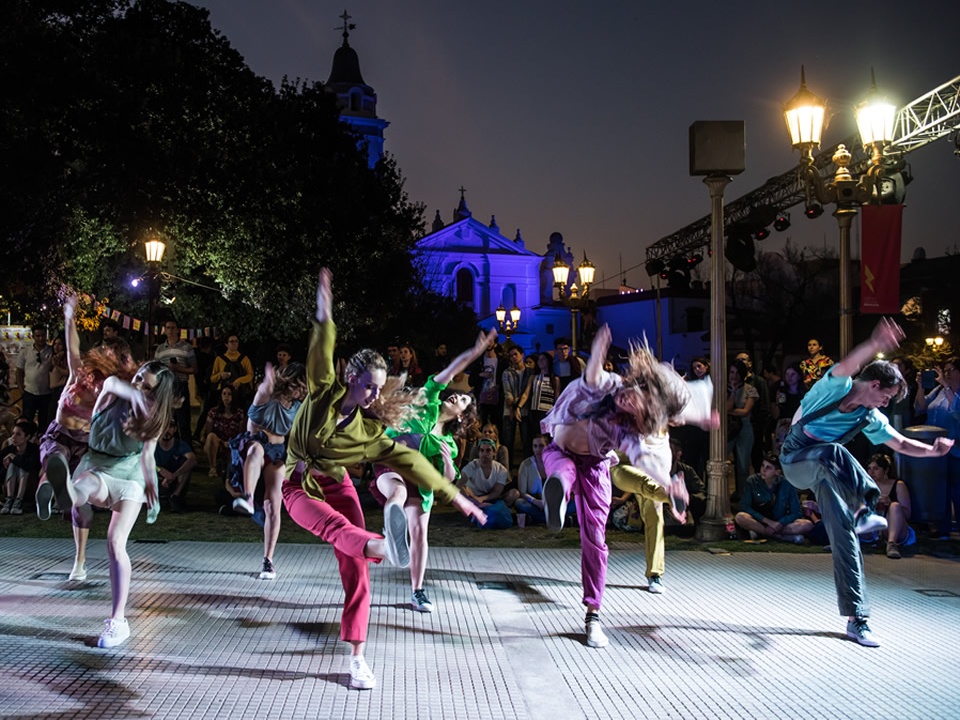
(840,485)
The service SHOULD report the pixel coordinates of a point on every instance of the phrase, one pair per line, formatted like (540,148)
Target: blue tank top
(273,417)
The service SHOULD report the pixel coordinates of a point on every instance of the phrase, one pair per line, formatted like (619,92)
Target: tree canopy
(123,118)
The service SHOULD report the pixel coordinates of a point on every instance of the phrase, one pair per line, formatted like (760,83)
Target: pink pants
(338,520)
(588,478)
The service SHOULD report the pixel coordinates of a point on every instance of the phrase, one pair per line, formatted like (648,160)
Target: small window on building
(465,287)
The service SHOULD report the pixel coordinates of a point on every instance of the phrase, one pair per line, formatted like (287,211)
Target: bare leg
(252,467)
(124,516)
(392,487)
(418,523)
(211,448)
(272,501)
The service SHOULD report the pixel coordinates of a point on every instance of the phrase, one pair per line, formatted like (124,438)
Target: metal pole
(573,330)
(712,526)
(844,216)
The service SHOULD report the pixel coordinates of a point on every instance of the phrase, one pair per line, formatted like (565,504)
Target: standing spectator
(770,506)
(109,329)
(223,423)
(393,353)
(514,380)
(786,401)
(205,389)
(233,368)
(489,396)
(760,415)
(59,372)
(741,397)
(438,362)
(33,378)
(284,356)
(175,460)
(816,365)
(942,406)
(540,393)
(21,467)
(565,366)
(694,440)
(178,355)
(407,367)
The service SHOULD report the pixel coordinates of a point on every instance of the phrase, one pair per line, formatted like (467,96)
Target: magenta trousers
(338,520)
(588,479)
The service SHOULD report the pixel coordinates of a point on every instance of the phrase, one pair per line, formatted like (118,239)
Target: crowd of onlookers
(501,468)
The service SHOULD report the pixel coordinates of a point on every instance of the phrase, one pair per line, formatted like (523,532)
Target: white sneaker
(595,635)
(867,522)
(858,630)
(115,633)
(243,505)
(79,573)
(655,585)
(361,676)
(554,503)
(395,535)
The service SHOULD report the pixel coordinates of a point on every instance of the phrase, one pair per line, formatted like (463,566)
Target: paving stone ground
(743,635)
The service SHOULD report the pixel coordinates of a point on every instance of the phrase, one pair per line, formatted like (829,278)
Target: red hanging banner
(880,259)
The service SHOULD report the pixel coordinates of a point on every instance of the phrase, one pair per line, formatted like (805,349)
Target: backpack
(235,368)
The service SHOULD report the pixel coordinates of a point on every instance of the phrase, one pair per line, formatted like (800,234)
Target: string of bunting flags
(128,322)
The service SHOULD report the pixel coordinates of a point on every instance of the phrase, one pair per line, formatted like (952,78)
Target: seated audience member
(770,506)
(224,422)
(175,459)
(490,431)
(894,505)
(21,467)
(527,498)
(484,479)
(696,489)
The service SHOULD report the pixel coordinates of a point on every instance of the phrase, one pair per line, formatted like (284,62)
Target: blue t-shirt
(834,425)
(173,458)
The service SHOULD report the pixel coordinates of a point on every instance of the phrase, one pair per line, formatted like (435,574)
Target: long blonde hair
(652,390)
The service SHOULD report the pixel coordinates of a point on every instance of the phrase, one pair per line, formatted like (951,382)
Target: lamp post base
(713,525)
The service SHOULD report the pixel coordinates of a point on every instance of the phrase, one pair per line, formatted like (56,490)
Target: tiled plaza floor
(744,635)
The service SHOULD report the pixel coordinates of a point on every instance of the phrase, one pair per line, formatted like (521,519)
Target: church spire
(462,212)
(438,222)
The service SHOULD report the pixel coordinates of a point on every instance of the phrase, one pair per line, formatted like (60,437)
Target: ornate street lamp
(508,326)
(572,296)
(154,249)
(804,114)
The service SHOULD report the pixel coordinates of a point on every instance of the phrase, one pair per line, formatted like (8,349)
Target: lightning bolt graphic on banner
(869,277)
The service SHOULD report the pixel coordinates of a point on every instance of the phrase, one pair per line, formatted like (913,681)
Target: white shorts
(122,478)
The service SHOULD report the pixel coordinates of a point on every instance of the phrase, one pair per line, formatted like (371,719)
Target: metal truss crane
(928,118)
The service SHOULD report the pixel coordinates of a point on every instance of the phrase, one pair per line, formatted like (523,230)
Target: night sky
(573,116)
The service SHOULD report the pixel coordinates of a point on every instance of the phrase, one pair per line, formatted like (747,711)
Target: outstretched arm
(70,335)
(886,336)
(324,297)
(463,360)
(598,353)
(908,446)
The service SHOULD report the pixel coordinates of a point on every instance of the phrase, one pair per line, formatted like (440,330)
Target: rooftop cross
(347,26)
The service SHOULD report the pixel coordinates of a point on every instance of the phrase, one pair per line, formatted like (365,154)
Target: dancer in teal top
(119,472)
(434,431)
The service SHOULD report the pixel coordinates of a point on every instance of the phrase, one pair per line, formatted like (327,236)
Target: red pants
(339,521)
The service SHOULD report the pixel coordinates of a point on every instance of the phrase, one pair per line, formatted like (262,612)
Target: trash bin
(926,477)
